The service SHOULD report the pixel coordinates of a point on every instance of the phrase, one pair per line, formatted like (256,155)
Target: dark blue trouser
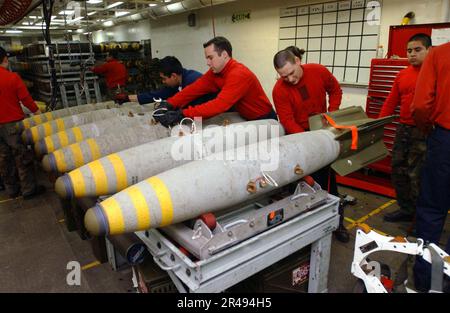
(434,200)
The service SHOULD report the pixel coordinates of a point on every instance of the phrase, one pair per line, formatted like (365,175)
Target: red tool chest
(382,76)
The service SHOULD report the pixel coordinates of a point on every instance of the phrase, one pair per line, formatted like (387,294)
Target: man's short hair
(423,38)
(3,54)
(220,44)
(169,65)
(282,57)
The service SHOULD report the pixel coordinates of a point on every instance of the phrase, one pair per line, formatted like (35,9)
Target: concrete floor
(36,247)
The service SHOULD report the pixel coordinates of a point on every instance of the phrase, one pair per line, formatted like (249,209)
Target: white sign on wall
(440,36)
(341,35)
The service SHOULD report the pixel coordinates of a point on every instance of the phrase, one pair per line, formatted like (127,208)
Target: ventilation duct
(163,10)
(183,6)
(13,10)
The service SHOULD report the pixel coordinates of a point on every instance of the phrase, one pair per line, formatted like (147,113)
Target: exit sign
(240,17)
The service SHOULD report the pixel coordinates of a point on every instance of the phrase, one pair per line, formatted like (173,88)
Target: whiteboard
(341,35)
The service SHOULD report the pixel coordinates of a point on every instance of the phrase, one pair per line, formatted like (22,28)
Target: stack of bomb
(75,155)
(79,133)
(52,115)
(40,131)
(188,190)
(117,171)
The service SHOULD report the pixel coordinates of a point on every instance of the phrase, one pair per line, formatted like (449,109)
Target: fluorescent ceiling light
(94,1)
(92,13)
(152,4)
(80,30)
(108,23)
(136,16)
(32,16)
(13,31)
(175,7)
(76,19)
(67,12)
(167,1)
(120,13)
(31,27)
(115,4)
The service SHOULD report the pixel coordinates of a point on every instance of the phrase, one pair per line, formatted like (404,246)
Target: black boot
(342,234)
(398,216)
(38,190)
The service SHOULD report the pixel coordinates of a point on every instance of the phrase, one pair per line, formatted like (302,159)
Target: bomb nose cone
(49,163)
(95,221)
(40,147)
(46,163)
(63,187)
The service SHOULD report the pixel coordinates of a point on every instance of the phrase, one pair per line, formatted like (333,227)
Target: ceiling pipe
(160,11)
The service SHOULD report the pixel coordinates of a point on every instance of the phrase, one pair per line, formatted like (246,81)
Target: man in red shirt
(300,93)
(431,113)
(237,87)
(115,72)
(16,162)
(409,148)
(302,90)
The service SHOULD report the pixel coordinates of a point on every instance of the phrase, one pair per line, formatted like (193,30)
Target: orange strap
(352,127)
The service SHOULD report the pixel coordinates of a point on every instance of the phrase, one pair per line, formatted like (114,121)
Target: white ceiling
(101,15)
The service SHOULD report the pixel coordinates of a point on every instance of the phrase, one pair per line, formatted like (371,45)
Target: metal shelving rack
(76,83)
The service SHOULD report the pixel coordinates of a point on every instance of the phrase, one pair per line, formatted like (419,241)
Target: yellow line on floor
(354,222)
(349,220)
(374,212)
(90,265)
(7,200)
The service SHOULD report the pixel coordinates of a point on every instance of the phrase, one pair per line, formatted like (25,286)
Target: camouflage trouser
(16,162)
(408,155)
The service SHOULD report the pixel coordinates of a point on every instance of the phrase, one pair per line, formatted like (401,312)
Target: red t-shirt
(402,94)
(236,86)
(296,103)
(431,102)
(12,92)
(114,71)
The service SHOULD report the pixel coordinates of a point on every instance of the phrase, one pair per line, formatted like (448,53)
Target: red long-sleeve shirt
(12,92)
(296,103)
(236,86)
(114,71)
(402,93)
(431,104)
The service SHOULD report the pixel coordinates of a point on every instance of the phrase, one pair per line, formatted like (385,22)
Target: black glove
(164,105)
(121,98)
(170,118)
